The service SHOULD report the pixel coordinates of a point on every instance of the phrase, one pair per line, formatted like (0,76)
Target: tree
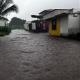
(7,6)
(17,23)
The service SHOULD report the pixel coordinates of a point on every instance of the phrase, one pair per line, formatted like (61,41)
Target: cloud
(28,7)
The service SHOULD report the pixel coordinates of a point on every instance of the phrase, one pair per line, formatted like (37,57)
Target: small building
(26,25)
(35,26)
(62,21)
(65,24)
(3,22)
(40,25)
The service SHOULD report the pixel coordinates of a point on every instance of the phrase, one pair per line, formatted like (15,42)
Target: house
(45,22)
(41,24)
(4,26)
(3,22)
(38,26)
(35,26)
(63,22)
(26,25)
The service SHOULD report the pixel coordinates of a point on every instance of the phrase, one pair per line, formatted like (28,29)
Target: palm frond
(13,8)
(1,2)
(9,1)
(5,1)
(5,5)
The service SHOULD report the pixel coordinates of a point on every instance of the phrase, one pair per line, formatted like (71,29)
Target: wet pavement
(30,56)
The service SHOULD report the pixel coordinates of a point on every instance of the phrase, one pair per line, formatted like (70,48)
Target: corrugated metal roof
(3,18)
(44,12)
(56,12)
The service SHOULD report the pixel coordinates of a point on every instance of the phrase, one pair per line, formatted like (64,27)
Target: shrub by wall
(4,30)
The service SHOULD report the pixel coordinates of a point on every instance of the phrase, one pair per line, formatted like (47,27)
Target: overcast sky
(29,7)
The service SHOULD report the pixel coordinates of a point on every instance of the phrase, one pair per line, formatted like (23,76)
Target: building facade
(63,22)
(3,22)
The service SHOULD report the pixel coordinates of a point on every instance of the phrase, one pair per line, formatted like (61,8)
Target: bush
(4,30)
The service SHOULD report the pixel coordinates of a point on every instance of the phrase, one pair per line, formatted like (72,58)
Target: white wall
(26,26)
(3,23)
(33,26)
(64,25)
(73,24)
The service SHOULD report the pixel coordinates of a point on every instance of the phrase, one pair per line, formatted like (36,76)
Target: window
(54,24)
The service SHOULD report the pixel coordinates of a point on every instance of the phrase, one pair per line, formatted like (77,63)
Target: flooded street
(37,56)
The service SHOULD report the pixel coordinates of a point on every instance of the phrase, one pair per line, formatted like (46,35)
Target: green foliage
(17,23)
(4,30)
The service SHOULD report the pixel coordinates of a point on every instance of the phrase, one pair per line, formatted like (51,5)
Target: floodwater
(37,56)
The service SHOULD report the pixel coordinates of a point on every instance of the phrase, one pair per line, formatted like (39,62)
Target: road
(31,56)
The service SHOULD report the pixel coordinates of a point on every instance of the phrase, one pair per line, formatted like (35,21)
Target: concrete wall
(33,26)
(73,24)
(26,26)
(70,24)
(64,25)
(3,23)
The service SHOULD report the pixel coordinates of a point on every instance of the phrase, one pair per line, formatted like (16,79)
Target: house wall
(26,26)
(57,31)
(33,26)
(73,24)
(3,23)
(64,25)
(44,25)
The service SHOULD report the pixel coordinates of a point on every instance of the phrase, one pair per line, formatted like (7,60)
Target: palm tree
(7,6)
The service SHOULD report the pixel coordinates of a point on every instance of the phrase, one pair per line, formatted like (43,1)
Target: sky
(29,7)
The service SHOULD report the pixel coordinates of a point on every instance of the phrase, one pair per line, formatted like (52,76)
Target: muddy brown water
(31,56)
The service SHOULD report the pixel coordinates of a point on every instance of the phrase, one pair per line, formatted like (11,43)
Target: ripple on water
(26,63)
(23,51)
